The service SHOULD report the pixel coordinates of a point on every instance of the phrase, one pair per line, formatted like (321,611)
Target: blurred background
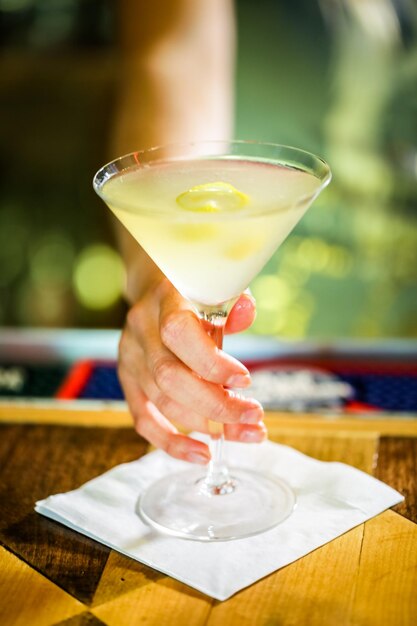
(337,77)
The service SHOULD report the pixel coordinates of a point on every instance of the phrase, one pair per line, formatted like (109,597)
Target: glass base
(181,505)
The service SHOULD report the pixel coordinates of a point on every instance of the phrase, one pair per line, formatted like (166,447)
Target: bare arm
(176,86)
(177,62)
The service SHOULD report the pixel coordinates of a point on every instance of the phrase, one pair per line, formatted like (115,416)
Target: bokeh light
(98,277)
(52,258)
(14,236)
(45,304)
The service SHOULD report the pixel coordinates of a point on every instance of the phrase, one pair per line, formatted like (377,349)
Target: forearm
(176,72)
(176,86)
(142,273)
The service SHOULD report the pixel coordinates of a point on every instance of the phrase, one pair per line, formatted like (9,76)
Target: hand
(171,371)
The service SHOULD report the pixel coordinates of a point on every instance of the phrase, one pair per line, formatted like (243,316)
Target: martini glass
(211,214)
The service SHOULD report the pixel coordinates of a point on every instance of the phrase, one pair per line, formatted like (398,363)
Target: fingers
(174,388)
(246,433)
(154,423)
(184,335)
(172,372)
(159,431)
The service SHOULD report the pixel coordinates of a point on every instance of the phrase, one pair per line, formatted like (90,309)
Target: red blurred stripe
(75,381)
(340,366)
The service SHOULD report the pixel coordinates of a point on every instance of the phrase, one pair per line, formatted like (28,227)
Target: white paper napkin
(332,498)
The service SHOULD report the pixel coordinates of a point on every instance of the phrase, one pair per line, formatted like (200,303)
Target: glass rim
(112,168)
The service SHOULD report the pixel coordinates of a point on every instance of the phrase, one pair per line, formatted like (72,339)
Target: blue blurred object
(396,392)
(103,384)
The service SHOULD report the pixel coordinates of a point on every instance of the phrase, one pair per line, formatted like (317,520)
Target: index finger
(182,332)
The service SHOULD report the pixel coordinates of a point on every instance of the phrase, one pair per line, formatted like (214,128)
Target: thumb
(242,314)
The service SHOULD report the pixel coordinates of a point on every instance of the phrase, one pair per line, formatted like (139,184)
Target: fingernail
(252,436)
(252,416)
(239,380)
(196,457)
(245,303)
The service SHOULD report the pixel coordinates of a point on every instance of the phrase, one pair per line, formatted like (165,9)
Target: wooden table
(51,575)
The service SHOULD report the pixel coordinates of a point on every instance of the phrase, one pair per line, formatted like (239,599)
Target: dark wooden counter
(51,575)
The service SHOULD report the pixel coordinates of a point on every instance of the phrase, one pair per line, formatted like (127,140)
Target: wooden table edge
(116,415)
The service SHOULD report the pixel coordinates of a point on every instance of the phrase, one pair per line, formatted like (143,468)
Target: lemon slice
(212,197)
(244,247)
(195,232)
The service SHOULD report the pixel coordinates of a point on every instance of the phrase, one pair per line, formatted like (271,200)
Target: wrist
(141,278)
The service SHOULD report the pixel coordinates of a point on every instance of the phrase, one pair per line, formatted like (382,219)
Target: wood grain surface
(397,466)
(37,461)
(51,575)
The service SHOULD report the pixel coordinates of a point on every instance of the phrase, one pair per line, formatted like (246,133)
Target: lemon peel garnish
(244,248)
(195,232)
(212,197)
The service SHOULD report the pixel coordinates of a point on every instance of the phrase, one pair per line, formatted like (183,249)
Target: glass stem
(217,480)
